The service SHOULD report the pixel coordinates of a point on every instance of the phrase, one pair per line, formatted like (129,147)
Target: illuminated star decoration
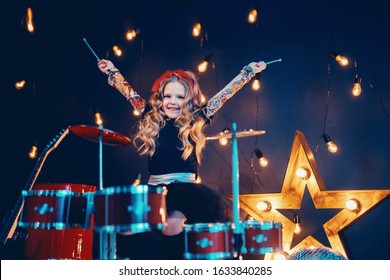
(292,193)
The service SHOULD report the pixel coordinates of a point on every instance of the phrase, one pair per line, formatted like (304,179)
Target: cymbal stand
(237,231)
(107,240)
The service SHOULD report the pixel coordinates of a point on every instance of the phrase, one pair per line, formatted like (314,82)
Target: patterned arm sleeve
(116,80)
(216,102)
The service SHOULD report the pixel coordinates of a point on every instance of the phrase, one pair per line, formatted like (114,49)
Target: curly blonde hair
(189,122)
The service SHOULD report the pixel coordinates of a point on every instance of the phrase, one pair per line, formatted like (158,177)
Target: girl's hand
(257,67)
(105,65)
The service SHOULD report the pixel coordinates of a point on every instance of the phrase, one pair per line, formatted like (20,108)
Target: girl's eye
(180,97)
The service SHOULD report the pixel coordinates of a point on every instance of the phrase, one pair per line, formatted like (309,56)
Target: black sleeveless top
(167,157)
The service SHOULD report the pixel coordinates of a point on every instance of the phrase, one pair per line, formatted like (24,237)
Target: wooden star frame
(292,193)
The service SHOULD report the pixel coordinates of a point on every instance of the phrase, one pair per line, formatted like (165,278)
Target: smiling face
(173,100)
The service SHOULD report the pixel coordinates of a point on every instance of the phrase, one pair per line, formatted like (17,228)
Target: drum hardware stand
(105,238)
(237,231)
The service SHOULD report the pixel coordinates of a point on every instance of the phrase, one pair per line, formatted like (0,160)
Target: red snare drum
(59,222)
(130,209)
(261,237)
(213,241)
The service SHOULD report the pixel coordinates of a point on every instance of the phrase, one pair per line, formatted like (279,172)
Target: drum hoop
(129,189)
(264,225)
(58,193)
(209,256)
(208,227)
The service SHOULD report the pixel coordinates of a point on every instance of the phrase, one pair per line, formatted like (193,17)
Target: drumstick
(85,40)
(273,61)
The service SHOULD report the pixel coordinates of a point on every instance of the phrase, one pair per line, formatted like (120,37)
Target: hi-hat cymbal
(92,133)
(242,133)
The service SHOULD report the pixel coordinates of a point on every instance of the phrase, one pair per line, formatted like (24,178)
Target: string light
(33,152)
(342,60)
(30,21)
(98,119)
(131,34)
(224,141)
(332,147)
(263,161)
(136,113)
(297,222)
(357,85)
(117,50)
(256,82)
(20,84)
(202,67)
(252,16)
(197,30)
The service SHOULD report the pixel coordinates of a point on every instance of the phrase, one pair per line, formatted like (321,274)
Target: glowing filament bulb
(263,161)
(20,84)
(297,221)
(202,67)
(29,20)
(136,113)
(256,84)
(342,60)
(202,99)
(332,147)
(117,51)
(252,16)
(33,152)
(196,30)
(357,86)
(357,89)
(98,119)
(223,141)
(302,173)
(264,206)
(352,204)
(131,34)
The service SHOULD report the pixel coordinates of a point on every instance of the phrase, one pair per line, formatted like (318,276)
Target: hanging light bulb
(252,16)
(357,86)
(20,84)
(117,50)
(263,161)
(256,82)
(33,152)
(297,222)
(98,119)
(223,141)
(196,30)
(332,147)
(202,67)
(342,60)
(131,34)
(136,113)
(29,20)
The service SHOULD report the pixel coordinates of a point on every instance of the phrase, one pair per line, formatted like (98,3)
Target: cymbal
(91,133)
(242,133)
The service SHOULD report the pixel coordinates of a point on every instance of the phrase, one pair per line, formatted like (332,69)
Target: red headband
(168,74)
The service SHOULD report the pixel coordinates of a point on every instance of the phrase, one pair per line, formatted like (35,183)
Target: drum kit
(61,218)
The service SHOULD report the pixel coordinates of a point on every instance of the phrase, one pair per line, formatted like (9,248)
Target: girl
(170,134)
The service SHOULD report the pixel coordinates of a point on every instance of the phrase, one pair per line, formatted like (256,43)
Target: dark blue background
(66,88)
